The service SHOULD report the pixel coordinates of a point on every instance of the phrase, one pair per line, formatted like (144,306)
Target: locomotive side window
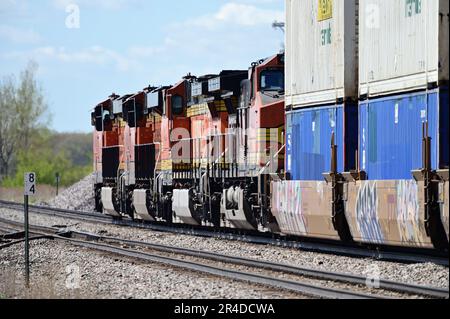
(177,105)
(272,80)
(97,119)
(106,119)
(106,116)
(129,110)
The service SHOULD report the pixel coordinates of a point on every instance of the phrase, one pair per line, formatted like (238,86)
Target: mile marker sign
(30,184)
(29,190)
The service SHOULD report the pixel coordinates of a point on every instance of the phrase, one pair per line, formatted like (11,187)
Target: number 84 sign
(30,184)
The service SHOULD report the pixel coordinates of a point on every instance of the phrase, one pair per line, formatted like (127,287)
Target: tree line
(26,142)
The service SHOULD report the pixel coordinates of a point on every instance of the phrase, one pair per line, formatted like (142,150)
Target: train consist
(344,136)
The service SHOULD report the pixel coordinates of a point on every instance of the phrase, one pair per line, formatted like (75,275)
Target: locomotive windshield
(177,105)
(272,80)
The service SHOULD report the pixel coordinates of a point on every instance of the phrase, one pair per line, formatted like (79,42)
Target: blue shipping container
(390,133)
(308,134)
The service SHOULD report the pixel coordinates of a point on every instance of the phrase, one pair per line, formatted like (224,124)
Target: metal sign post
(57,182)
(29,190)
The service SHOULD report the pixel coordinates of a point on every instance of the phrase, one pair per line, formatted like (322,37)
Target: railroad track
(394,254)
(245,276)
(114,246)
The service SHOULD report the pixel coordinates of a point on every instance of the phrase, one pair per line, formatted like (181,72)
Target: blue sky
(122,46)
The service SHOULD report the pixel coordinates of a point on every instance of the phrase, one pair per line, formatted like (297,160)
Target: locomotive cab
(259,141)
(106,119)
(112,154)
(144,151)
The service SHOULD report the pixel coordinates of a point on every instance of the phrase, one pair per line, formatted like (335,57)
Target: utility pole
(57,177)
(281,26)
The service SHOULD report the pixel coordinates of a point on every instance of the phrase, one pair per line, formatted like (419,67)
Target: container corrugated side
(321,51)
(309,132)
(404,45)
(390,133)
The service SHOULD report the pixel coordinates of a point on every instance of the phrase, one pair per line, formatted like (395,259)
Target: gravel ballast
(79,196)
(61,270)
(421,274)
(94,264)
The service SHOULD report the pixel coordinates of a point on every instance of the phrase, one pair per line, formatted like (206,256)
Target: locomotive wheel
(98,199)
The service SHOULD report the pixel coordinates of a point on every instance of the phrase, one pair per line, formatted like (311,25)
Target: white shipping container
(403,45)
(321,51)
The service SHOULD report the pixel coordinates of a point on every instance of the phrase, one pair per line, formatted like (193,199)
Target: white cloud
(204,45)
(17,35)
(237,14)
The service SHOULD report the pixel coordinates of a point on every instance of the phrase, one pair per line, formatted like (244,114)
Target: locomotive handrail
(156,168)
(271,160)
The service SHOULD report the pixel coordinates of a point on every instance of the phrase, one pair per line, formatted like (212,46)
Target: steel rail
(306,289)
(299,271)
(19,241)
(277,267)
(307,244)
(15,236)
(289,285)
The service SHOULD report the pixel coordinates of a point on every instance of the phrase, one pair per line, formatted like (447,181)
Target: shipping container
(309,133)
(321,51)
(390,133)
(403,45)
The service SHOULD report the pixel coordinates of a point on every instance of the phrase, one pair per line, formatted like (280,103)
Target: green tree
(22,110)
(46,159)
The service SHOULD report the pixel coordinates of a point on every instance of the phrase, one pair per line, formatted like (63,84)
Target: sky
(88,49)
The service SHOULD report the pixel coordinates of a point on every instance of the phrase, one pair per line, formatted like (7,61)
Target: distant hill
(68,154)
(77,146)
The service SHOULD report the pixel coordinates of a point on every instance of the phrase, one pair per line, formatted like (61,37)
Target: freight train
(344,136)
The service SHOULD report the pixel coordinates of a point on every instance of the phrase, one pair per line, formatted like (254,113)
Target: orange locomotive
(201,152)
(108,151)
(234,149)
